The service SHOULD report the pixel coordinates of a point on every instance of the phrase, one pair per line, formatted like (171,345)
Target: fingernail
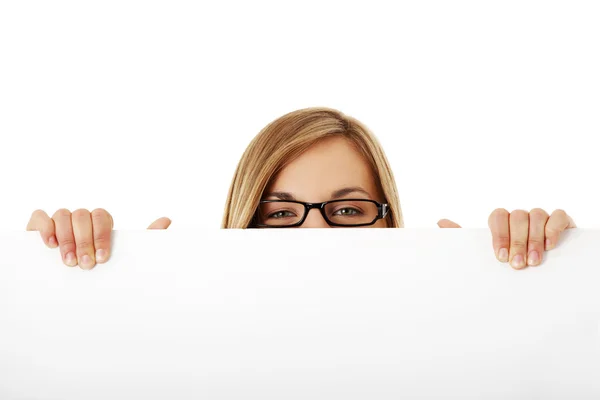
(517,261)
(503,255)
(533,258)
(548,244)
(86,261)
(70,259)
(52,241)
(100,255)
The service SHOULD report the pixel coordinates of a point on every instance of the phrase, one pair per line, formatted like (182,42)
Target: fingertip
(518,262)
(534,258)
(101,256)
(70,259)
(86,262)
(502,255)
(52,242)
(48,238)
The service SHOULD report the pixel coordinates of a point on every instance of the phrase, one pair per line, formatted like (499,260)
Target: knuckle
(518,243)
(496,215)
(99,213)
(519,215)
(503,239)
(101,237)
(66,242)
(62,213)
(37,213)
(84,245)
(535,241)
(38,221)
(560,213)
(538,213)
(499,212)
(80,213)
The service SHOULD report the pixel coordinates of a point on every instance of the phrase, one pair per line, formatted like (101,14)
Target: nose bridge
(314,218)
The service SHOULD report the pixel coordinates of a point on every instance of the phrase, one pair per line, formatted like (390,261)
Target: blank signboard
(300,314)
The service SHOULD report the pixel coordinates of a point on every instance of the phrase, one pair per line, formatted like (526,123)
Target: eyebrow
(344,191)
(335,195)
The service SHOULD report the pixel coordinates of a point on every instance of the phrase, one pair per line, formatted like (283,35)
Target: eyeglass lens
(345,212)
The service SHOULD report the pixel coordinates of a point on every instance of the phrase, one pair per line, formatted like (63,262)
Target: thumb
(161,223)
(446,223)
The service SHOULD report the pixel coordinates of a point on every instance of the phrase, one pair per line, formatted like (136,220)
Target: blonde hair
(284,139)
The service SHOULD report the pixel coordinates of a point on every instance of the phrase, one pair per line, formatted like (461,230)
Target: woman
(311,168)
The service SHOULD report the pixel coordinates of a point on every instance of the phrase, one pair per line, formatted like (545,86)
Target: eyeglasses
(346,212)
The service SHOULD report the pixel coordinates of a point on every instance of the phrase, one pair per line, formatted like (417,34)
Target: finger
(64,236)
(161,223)
(446,223)
(84,238)
(499,226)
(519,232)
(102,224)
(535,242)
(557,223)
(40,221)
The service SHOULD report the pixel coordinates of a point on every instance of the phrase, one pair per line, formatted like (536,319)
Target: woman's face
(330,166)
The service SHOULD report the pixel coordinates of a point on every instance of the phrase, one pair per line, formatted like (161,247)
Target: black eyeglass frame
(382,211)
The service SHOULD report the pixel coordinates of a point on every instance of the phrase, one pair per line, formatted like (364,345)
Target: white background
(144,108)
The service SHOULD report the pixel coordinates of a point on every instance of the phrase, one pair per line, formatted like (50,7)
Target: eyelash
(271,215)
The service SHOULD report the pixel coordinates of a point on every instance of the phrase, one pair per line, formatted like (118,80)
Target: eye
(347,211)
(281,214)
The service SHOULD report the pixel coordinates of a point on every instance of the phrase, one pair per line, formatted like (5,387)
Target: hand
(83,237)
(521,237)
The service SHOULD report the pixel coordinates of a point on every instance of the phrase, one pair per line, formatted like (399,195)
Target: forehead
(328,165)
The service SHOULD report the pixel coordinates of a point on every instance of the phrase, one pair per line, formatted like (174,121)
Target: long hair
(283,140)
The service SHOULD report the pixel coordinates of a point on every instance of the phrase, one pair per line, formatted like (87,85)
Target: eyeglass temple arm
(384,210)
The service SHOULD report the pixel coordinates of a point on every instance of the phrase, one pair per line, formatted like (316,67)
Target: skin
(518,237)
(319,172)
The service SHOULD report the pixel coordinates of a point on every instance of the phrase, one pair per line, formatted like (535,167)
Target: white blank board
(300,314)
